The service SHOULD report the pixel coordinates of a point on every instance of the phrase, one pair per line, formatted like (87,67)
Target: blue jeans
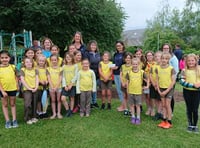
(118,87)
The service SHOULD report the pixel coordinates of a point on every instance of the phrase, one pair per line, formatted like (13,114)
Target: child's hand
(69,86)
(114,68)
(197,85)
(145,87)
(124,85)
(34,90)
(4,94)
(66,88)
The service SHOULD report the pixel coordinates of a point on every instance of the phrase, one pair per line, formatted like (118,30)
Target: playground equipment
(24,39)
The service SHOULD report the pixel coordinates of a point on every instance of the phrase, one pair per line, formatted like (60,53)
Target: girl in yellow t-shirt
(154,95)
(70,70)
(191,75)
(43,83)
(30,81)
(54,51)
(77,59)
(135,79)
(165,82)
(54,76)
(86,84)
(8,88)
(147,66)
(105,72)
(125,68)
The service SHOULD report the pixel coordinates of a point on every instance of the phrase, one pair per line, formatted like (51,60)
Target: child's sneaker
(34,120)
(133,120)
(8,124)
(167,125)
(75,110)
(15,124)
(69,113)
(195,130)
(137,121)
(162,124)
(59,116)
(109,106)
(189,129)
(29,122)
(53,117)
(96,105)
(81,114)
(87,115)
(103,106)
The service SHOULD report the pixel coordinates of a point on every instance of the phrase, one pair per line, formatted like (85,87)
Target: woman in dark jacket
(94,57)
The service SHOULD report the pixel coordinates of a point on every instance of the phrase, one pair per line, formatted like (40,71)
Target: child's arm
(151,79)
(157,80)
(36,82)
(78,83)
(94,89)
(59,80)
(127,81)
(146,79)
(121,79)
(49,80)
(110,74)
(73,81)
(2,91)
(100,72)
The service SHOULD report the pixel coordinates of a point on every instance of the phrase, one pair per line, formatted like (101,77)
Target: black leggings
(192,105)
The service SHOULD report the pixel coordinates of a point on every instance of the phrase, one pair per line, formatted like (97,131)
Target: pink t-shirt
(182,64)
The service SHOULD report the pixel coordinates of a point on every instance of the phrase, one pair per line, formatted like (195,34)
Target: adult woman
(118,60)
(173,62)
(78,42)
(46,46)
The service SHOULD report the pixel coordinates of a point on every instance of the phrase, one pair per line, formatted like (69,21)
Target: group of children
(72,77)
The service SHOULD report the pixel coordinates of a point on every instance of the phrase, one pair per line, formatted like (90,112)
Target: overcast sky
(138,11)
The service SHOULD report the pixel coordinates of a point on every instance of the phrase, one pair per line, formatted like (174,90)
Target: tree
(101,20)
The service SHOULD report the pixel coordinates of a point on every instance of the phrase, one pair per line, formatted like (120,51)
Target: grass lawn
(102,129)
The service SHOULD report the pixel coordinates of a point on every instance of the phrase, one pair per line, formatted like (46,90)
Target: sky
(138,11)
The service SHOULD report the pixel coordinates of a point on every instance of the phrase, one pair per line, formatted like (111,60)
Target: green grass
(102,129)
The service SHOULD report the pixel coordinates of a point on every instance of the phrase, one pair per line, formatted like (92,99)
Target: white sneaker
(29,122)
(34,120)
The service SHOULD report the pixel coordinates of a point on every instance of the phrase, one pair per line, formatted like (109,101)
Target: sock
(164,119)
(133,116)
(138,116)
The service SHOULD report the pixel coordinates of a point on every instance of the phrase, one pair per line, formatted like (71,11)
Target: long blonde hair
(197,68)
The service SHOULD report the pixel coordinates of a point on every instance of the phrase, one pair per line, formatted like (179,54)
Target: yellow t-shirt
(135,82)
(86,81)
(69,74)
(55,74)
(125,69)
(8,78)
(105,69)
(79,66)
(60,61)
(42,74)
(153,72)
(29,77)
(165,76)
(191,77)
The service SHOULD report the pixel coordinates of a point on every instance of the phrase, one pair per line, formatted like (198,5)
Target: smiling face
(47,44)
(28,63)
(54,60)
(54,50)
(128,59)
(4,59)
(191,62)
(41,61)
(30,54)
(77,38)
(149,56)
(93,47)
(166,49)
(119,47)
(78,57)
